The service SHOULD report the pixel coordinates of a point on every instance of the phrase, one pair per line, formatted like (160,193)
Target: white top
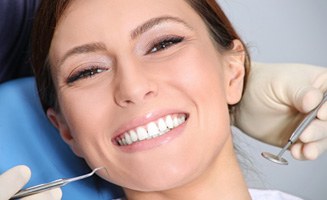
(258,194)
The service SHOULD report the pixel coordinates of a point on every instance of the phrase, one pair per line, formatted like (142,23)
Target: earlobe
(235,73)
(57,121)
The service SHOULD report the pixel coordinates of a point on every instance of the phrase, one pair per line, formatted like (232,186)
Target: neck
(223,180)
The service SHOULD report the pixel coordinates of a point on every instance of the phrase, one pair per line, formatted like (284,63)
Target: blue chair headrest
(28,138)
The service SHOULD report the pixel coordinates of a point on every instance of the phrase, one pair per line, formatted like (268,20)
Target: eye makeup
(89,71)
(164,43)
(92,69)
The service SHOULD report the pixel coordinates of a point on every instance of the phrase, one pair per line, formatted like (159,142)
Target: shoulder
(258,194)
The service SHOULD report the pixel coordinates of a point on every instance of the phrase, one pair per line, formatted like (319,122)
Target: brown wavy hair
(219,27)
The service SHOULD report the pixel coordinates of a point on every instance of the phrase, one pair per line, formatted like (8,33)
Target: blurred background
(282,31)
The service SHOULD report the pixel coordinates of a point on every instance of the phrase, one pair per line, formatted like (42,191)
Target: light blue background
(283,31)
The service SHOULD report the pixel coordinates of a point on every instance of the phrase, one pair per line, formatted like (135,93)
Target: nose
(134,85)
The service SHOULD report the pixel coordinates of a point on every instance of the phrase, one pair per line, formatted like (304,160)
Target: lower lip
(154,142)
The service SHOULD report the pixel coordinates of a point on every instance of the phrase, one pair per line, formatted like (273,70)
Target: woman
(155,92)
(142,86)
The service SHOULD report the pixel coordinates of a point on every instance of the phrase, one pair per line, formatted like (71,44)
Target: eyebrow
(98,46)
(153,22)
(83,49)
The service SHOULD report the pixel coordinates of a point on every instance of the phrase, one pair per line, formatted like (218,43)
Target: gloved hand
(15,178)
(276,99)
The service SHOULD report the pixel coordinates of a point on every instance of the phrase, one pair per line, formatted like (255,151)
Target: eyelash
(165,43)
(157,46)
(85,73)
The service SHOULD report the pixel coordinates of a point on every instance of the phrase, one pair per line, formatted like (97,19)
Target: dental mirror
(295,135)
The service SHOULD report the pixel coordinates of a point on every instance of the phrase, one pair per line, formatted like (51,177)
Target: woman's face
(142,90)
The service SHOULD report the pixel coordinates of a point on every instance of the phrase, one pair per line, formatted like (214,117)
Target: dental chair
(28,138)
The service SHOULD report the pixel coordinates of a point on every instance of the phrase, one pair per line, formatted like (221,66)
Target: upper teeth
(151,130)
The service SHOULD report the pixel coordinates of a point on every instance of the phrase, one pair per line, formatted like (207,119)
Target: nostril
(130,91)
(150,94)
(128,101)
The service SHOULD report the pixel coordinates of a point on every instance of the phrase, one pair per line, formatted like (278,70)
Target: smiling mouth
(151,130)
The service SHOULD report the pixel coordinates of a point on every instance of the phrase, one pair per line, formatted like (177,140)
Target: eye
(85,73)
(165,43)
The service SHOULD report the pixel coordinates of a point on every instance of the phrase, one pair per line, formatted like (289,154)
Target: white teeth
(169,121)
(124,141)
(162,126)
(133,135)
(175,120)
(141,133)
(182,119)
(128,138)
(151,130)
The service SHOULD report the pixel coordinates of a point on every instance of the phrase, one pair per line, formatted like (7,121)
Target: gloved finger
(317,130)
(322,113)
(13,180)
(310,151)
(313,150)
(307,98)
(296,151)
(54,194)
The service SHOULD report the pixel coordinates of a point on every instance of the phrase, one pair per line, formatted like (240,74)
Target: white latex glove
(274,103)
(15,178)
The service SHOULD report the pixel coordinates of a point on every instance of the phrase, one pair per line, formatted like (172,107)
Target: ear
(235,71)
(58,121)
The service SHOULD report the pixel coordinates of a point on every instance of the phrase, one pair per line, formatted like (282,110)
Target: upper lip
(143,120)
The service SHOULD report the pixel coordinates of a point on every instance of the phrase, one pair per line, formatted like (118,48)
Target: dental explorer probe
(295,135)
(51,185)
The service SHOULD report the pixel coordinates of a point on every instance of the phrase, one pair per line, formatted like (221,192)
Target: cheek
(201,79)
(201,75)
(86,114)
(205,85)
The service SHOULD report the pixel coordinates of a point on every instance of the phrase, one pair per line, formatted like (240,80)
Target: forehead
(110,18)
(118,14)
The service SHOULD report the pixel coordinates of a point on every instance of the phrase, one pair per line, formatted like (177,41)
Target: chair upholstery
(28,138)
